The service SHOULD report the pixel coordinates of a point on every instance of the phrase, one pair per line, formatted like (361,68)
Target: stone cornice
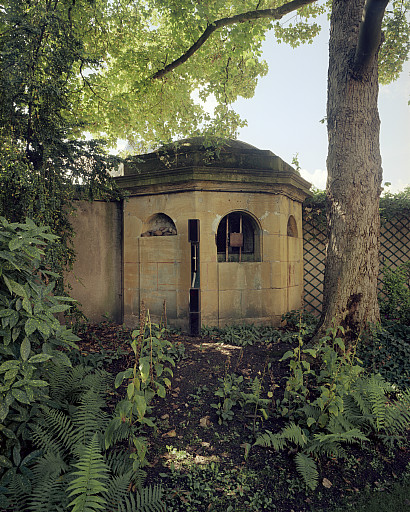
(188,179)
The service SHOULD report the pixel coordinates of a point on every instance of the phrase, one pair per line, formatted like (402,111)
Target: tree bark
(354,179)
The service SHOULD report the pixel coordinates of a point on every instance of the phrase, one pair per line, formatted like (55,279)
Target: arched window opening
(159,225)
(292,227)
(238,238)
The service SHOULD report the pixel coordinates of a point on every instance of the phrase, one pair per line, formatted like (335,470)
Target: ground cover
(227,388)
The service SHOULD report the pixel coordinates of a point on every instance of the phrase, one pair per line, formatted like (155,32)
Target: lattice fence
(394,250)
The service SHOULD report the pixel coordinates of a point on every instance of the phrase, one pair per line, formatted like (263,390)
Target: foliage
(233,391)
(213,487)
(242,335)
(329,402)
(391,205)
(42,51)
(394,299)
(149,377)
(388,353)
(30,333)
(72,470)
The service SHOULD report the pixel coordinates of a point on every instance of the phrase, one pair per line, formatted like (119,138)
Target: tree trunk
(354,180)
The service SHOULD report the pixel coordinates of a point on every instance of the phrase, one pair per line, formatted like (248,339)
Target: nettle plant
(31,336)
(330,401)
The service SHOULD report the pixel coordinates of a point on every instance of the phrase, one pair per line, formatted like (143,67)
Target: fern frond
(295,434)
(88,482)
(307,469)
(50,464)
(120,464)
(48,494)
(351,436)
(330,449)
(44,439)
(59,425)
(117,489)
(148,500)
(89,417)
(270,440)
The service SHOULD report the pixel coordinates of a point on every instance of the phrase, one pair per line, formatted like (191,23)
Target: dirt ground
(188,432)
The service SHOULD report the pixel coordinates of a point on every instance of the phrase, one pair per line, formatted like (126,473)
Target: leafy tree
(216,46)
(131,70)
(41,52)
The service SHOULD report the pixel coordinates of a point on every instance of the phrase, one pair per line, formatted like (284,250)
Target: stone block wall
(96,279)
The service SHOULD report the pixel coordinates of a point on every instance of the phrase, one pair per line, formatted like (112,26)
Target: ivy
(391,206)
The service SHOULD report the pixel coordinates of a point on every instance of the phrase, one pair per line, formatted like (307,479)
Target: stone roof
(197,162)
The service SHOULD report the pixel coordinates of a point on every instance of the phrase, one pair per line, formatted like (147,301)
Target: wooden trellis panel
(394,250)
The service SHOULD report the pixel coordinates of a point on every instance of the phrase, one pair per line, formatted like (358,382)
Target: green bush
(388,353)
(31,336)
(330,401)
(395,297)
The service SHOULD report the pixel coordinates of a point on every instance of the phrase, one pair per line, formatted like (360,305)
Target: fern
(120,465)
(306,467)
(294,434)
(270,440)
(117,489)
(89,418)
(148,500)
(48,493)
(88,484)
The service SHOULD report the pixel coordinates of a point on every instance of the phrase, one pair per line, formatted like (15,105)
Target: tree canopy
(131,69)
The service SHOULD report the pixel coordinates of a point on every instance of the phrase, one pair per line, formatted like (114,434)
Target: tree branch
(274,14)
(370,34)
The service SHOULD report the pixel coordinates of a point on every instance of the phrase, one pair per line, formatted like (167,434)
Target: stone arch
(159,224)
(238,238)
(292,229)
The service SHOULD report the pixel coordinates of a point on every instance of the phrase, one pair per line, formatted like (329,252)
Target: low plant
(242,335)
(32,339)
(147,378)
(329,401)
(69,467)
(388,353)
(394,299)
(236,394)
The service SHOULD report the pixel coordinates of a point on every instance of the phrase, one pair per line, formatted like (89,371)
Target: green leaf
(161,391)
(25,349)
(5,462)
(141,405)
(311,351)
(31,326)
(4,410)
(310,421)
(16,243)
(121,376)
(144,368)
(20,395)
(7,365)
(39,358)
(130,390)
(287,355)
(37,383)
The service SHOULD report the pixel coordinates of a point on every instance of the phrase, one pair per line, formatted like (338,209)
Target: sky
(289,102)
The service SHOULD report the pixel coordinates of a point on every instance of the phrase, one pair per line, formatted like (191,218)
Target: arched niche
(292,229)
(238,238)
(159,224)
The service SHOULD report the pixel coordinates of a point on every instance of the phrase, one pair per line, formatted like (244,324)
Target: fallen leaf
(205,422)
(327,483)
(171,433)
(164,416)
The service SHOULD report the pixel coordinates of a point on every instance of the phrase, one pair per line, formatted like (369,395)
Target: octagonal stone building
(212,236)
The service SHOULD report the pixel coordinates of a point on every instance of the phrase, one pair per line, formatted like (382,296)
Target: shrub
(31,335)
(395,297)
